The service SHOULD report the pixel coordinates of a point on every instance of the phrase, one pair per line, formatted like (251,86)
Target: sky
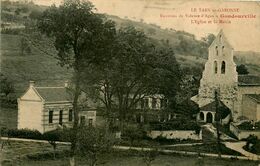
(243,33)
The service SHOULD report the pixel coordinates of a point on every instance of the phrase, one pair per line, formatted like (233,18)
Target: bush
(246,126)
(181,124)
(47,155)
(24,133)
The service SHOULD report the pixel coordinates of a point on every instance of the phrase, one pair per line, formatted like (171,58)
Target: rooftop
(244,80)
(255,97)
(54,94)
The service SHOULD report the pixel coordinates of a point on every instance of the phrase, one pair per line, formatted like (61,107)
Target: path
(238,146)
(229,144)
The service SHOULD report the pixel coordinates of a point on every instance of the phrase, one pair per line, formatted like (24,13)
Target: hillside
(44,69)
(36,66)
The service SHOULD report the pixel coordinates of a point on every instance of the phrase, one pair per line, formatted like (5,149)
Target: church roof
(54,94)
(247,80)
(224,40)
(224,110)
(255,97)
(212,106)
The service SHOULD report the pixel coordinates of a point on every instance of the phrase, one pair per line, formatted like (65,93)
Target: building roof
(212,106)
(255,97)
(247,80)
(224,111)
(54,94)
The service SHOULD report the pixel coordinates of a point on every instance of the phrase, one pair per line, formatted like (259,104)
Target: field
(8,118)
(117,158)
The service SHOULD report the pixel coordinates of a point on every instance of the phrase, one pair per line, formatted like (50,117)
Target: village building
(239,93)
(49,108)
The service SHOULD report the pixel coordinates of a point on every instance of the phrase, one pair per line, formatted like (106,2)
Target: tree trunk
(218,117)
(72,161)
(76,119)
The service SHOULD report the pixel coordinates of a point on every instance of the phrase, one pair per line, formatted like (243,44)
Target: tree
(150,155)
(81,37)
(242,69)
(93,142)
(209,39)
(6,86)
(52,137)
(25,47)
(137,69)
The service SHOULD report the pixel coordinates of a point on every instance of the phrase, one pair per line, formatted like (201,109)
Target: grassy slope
(36,66)
(45,71)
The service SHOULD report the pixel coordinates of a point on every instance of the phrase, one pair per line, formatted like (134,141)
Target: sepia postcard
(130,83)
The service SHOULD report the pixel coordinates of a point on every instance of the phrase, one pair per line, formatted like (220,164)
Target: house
(251,106)
(48,108)
(234,91)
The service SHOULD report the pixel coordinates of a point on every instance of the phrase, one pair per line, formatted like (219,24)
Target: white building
(220,75)
(48,108)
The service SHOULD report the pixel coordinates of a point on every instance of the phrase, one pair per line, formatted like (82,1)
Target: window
(216,49)
(142,104)
(154,101)
(223,67)
(146,103)
(82,120)
(70,115)
(220,38)
(90,122)
(223,48)
(50,116)
(163,103)
(60,117)
(215,67)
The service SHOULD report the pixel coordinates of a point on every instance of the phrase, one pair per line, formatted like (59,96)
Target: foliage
(149,155)
(137,69)
(246,126)
(52,137)
(133,133)
(253,144)
(93,142)
(6,86)
(25,47)
(187,108)
(22,133)
(176,124)
(242,69)
(81,37)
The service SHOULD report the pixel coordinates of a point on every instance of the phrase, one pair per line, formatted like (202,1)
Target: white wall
(176,134)
(30,115)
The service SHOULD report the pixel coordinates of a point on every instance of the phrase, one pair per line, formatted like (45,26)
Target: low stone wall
(240,134)
(176,134)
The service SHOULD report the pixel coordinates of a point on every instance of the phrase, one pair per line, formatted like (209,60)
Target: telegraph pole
(218,117)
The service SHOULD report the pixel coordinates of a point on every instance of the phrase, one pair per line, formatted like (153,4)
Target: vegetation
(93,142)
(242,69)
(81,37)
(252,144)
(6,86)
(249,126)
(176,124)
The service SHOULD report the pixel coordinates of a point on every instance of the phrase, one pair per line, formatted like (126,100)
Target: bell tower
(219,73)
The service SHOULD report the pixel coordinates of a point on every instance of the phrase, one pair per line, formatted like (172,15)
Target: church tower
(219,74)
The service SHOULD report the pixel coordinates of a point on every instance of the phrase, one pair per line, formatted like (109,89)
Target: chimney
(66,84)
(31,84)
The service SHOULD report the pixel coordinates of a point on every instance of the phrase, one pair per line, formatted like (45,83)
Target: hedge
(176,125)
(55,135)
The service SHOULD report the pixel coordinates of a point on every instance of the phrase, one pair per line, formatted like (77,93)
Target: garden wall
(240,134)
(176,134)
